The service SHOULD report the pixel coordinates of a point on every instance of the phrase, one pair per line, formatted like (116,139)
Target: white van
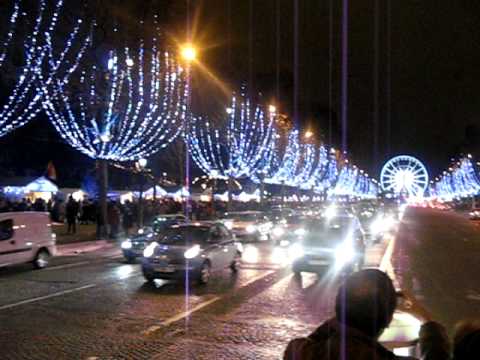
(26,237)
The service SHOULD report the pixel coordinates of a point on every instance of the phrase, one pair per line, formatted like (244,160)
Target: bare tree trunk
(230,193)
(262,194)
(102,222)
(140,202)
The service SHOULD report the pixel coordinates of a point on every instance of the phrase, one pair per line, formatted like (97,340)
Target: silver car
(193,250)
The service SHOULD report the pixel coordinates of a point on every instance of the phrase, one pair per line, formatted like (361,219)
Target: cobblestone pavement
(94,306)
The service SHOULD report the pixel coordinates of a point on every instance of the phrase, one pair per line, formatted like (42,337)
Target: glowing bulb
(189,53)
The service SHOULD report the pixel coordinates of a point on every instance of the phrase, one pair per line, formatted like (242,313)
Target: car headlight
(141,231)
(126,245)
(300,232)
(295,251)
(344,254)
(150,249)
(229,225)
(192,252)
(284,243)
(278,231)
(251,229)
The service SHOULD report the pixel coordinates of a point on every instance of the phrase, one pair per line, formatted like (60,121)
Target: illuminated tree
(44,59)
(126,109)
(239,146)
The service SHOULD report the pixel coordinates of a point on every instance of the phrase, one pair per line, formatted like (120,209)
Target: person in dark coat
(364,307)
(467,341)
(71,215)
(127,218)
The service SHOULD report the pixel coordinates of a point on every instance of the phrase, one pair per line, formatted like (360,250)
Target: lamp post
(141,164)
(188,53)
(214,175)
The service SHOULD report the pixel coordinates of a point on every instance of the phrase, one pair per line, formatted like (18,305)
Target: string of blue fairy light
(460,181)
(139,110)
(41,64)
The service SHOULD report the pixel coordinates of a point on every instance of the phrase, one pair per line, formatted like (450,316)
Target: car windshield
(181,235)
(327,232)
(242,217)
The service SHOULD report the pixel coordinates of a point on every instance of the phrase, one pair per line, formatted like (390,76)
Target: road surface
(95,306)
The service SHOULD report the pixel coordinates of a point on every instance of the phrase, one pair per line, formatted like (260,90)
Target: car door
(228,245)
(8,246)
(215,249)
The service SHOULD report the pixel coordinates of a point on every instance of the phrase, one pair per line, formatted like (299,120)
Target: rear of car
(323,244)
(248,225)
(475,214)
(26,237)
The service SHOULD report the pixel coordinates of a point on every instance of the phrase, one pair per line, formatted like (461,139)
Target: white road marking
(185,314)
(256,278)
(40,298)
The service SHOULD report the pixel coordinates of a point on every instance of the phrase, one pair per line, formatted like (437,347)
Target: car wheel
(205,273)
(297,274)
(41,260)
(149,277)
(236,262)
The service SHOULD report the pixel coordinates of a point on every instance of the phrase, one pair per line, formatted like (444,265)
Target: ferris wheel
(404,175)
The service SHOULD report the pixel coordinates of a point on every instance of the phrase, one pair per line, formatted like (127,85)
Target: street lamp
(188,52)
(308,134)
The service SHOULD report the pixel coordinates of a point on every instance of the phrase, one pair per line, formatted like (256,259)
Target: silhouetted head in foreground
(467,341)
(366,302)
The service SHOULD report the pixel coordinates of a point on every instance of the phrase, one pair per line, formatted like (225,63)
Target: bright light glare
(404,351)
(150,249)
(189,53)
(142,162)
(272,108)
(127,244)
(229,224)
(278,231)
(279,256)
(343,255)
(192,252)
(284,243)
(330,212)
(124,272)
(251,229)
(308,134)
(300,232)
(250,254)
(295,252)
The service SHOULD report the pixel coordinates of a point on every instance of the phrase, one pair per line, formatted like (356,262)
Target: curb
(83,247)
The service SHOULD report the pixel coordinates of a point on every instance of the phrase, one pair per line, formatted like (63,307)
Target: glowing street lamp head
(272,109)
(308,134)
(189,53)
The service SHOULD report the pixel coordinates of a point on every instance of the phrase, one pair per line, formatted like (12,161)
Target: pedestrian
(127,219)
(364,307)
(71,214)
(113,214)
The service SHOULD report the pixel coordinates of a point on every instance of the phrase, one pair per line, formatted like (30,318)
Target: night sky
(424,63)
